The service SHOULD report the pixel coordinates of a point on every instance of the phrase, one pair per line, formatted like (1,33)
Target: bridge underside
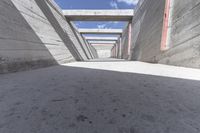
(94,36)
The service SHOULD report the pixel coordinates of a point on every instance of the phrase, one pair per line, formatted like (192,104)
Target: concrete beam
(99,15)
(102,42)
(100,31)
(103,46)
(101,38)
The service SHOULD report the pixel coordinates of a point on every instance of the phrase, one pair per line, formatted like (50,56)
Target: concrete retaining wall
(103,51)
(184,33)
(93,51)
(82,43)
(63,28)
(184,36)
(147,30)
(124,42)
(118,49)
(114,52)
(33,37)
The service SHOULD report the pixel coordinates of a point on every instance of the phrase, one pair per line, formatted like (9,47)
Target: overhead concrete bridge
(99,15)
(56,77)
(100,31)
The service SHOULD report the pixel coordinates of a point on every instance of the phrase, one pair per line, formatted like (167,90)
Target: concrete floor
(101,97)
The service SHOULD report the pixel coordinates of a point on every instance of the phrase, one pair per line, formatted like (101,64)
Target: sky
(98,4)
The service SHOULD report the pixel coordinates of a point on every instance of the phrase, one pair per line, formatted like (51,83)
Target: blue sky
(98,4)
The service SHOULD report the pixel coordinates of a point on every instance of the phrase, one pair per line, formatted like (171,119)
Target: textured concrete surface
(82,42)
(103,50)
(93,51)
(147,30)
(74,99)
(184,33)
(125,42)
(34,34)
(62,28)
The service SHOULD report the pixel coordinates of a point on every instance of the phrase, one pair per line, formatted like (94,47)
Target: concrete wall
(63,28)
(124,42)
(121,49)
(114,52)
(83,43)
(184,33)
(147,30)
(34,34)
(103,51)
(93,51)
(184,43)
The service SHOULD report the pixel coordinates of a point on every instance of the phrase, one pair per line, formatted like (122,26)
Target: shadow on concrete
(65,99)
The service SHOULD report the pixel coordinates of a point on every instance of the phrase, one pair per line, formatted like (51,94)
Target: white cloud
(114,4)
(101,26)
(78,23)
(129,2)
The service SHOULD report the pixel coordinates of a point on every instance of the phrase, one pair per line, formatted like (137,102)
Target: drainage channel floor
(101,97)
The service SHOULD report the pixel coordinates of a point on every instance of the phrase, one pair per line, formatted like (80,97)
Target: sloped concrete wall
(147,30)
(93,51)
(63,28)
(185,35)
(103,51)
(124,42)
(31,38)
(82,43)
